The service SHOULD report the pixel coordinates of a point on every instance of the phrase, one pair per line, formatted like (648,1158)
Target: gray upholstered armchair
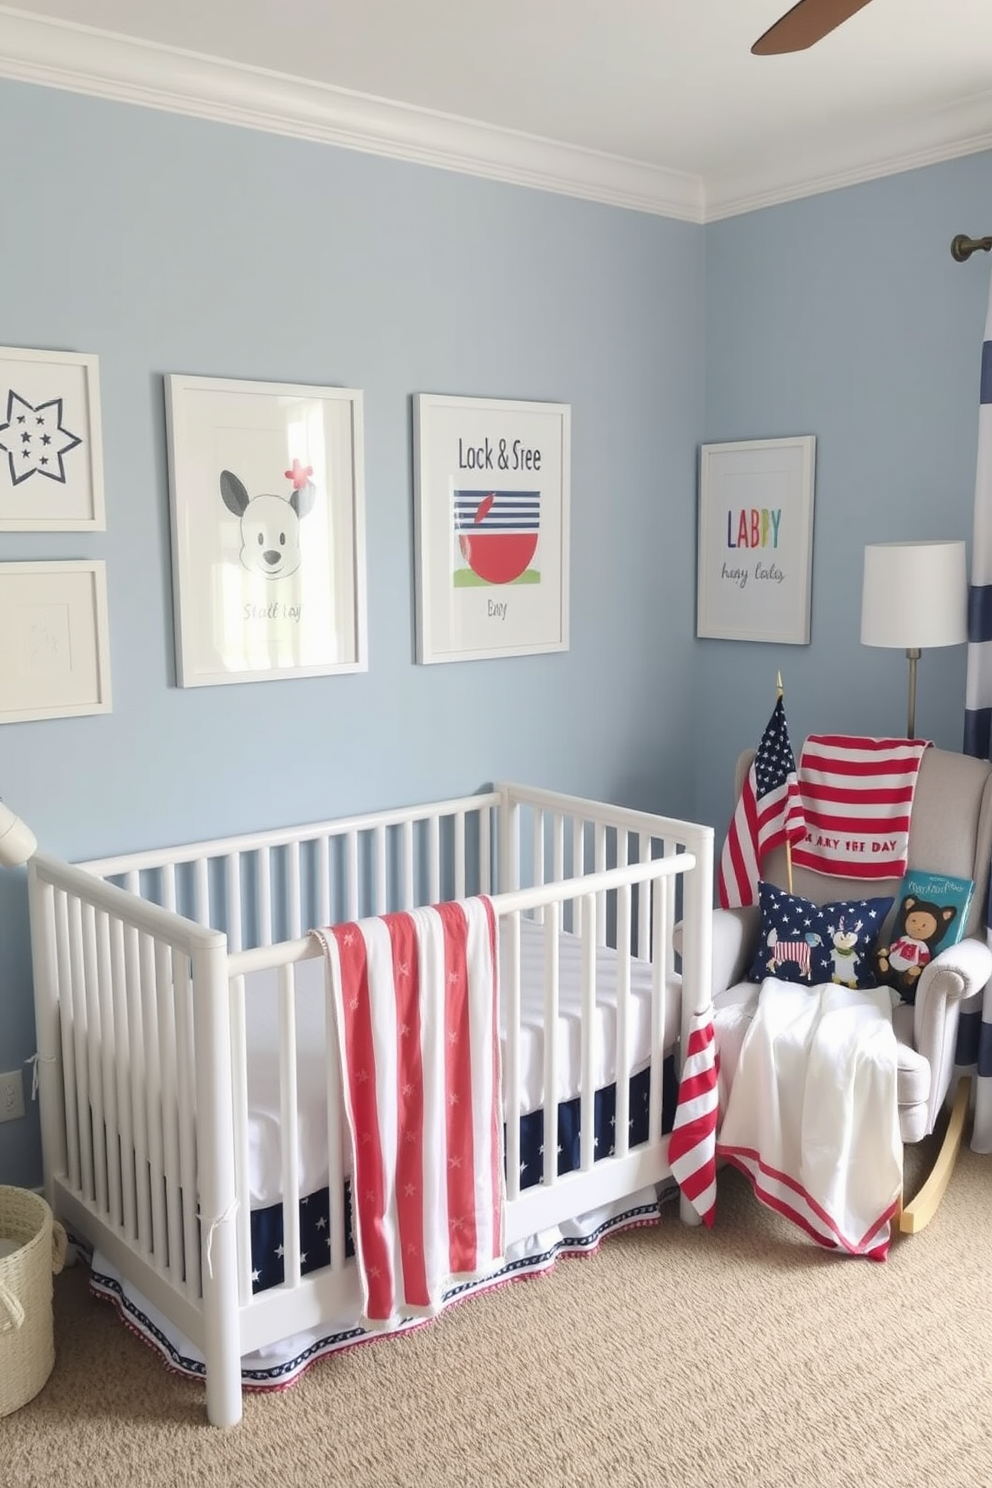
(950,833)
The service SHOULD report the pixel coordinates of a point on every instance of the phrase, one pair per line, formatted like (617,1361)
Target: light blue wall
(165,244)
(845,316)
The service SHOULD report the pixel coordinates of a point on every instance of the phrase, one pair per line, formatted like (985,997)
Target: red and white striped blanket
(415,1000)
(812,1117)
(857,799)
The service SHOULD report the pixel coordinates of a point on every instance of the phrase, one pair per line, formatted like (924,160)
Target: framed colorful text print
(755,540)
(492,513)
(268,530)
(51,461)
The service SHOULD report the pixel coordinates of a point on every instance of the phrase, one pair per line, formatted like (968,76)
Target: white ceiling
(656,104)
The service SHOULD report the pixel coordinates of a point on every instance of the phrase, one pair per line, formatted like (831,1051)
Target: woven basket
(27,1340)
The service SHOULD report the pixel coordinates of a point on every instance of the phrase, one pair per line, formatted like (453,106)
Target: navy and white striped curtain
(974,1049)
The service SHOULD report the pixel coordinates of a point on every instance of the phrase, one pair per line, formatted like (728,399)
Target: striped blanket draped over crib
(415,1001)
(974,1049)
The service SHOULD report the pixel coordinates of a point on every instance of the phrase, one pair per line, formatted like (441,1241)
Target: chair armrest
(958,972)
(735,932)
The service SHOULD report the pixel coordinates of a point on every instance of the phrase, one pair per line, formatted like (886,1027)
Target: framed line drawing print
(491,484)
(755,540)
(267,494)
(55,662)
(51,456)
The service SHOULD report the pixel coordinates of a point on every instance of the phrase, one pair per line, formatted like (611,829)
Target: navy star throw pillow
(805,942)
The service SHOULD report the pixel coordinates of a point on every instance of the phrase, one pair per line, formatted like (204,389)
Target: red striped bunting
(692,1144)
(858,798)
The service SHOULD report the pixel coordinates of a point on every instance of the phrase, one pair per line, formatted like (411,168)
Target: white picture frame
(267,498)
(51,451)
(55,660)
(755,540)
(491,490)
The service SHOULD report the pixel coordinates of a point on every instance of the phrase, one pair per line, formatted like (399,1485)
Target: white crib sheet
(262,1018)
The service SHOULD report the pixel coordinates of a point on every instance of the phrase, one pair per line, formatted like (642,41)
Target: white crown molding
(946,134)
(59,54)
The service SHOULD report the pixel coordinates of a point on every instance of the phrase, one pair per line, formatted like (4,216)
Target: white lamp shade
(915,595)
(17,842)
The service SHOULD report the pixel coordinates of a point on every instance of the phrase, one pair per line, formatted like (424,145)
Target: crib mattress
(262,1023)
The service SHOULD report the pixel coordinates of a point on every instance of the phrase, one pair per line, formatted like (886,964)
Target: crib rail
(264,887)
(140,969)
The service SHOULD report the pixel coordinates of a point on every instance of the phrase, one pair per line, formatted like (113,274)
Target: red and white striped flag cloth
(415,999)
(692,1144)
(858,799)
(768,813)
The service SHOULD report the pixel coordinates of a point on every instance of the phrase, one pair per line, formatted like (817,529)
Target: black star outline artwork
(36,446)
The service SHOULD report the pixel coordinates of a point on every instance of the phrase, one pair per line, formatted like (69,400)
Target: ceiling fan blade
(805,24)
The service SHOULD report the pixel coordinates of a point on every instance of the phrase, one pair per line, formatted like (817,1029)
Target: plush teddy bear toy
(918,930)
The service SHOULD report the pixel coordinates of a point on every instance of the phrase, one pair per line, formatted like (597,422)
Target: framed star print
(51,458)
(268,536)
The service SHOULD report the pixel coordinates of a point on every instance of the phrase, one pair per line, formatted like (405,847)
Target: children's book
(931,911)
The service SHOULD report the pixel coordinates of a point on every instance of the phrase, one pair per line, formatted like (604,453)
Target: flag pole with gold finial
(780,694)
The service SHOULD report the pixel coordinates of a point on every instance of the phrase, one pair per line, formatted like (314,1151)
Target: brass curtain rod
(963,247)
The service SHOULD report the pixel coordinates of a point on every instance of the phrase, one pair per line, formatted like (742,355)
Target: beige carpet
(675,1356)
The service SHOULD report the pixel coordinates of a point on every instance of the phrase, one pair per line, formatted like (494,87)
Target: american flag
(415,1003)
(858,796)
(769,812)
(692,1144)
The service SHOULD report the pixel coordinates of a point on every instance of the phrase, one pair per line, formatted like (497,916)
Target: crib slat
(658,995)
(621,1130)
(510,997)
(324,912)
(351,844)
(643,900)
(138,1086)
(186,1091)
(485,850)
(434,861)
(170,1106)
(537,856)
(153,1100)
(335,1138)
(460,855)
(201,891)
(289,1128)
(97,1129)
(600,897)
(67,1024)
(295,918)
(169,886)
(264,927)
(381,881)
(239,1087)
(551,1003)
(80,1054)
(232,900)
(587,1093)
(578,869)
(123,1072)
(111,1055)
(407,893)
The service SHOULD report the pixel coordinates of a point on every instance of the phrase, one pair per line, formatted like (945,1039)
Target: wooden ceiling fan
(804,25)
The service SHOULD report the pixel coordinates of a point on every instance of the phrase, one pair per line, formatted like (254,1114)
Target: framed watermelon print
(491,491)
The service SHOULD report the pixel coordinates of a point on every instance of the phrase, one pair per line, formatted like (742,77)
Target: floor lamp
(915,596)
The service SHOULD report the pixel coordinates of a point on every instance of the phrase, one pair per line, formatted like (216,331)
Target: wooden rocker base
(923,1207)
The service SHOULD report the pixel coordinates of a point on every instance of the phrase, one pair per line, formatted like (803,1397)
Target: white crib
(141,965)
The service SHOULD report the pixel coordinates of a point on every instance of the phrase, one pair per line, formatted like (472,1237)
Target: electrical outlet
(11,1096)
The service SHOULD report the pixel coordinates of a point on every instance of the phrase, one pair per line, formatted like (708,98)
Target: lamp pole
(913,656)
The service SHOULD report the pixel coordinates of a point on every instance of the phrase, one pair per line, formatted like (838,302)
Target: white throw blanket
(415,1001)
(813,1117)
